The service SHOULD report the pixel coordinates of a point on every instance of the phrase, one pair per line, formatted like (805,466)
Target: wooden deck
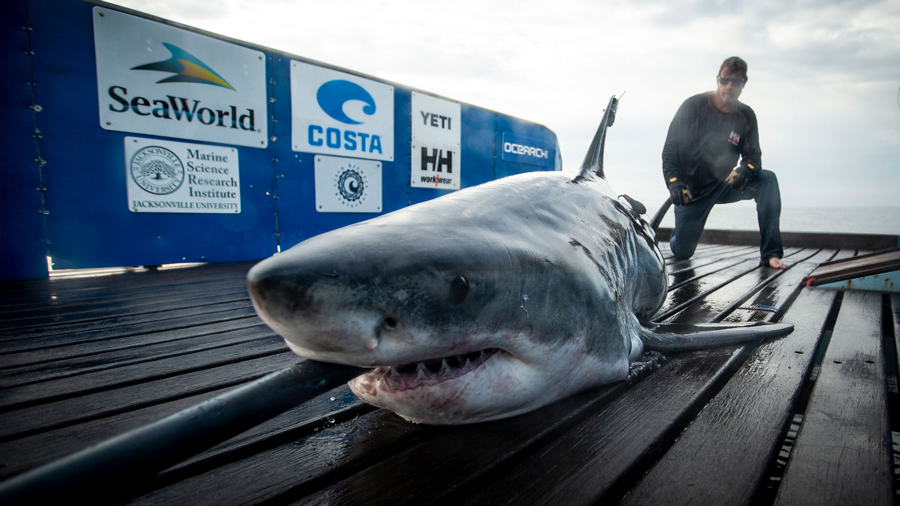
(805,419)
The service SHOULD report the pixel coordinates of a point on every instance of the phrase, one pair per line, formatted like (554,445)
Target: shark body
(486,303)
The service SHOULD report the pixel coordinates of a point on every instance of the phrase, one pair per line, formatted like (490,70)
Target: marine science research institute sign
(156,79)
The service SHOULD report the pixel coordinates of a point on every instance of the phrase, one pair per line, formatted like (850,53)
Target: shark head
(464,312)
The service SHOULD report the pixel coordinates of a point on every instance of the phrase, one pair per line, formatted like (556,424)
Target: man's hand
(737,179)
(680,193)
(740,175)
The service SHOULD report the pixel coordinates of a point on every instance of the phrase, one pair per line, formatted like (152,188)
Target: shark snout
(305,305)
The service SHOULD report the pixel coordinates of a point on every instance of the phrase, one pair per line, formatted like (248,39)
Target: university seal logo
(157,170)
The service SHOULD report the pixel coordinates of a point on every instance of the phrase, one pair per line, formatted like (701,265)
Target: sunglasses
(737,81)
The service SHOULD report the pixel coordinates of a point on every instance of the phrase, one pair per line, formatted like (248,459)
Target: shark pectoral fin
(675,337)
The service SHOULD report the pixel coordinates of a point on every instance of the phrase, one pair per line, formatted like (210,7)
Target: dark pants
(690,219)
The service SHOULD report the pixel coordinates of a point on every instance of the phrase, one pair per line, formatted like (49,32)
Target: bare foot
(776,263)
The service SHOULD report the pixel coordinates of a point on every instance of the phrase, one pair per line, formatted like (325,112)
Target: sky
(824,76)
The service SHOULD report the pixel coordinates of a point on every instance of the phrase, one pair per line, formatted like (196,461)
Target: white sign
(340,114)
(436,143)
(156,79)
(175,177)
(346,185)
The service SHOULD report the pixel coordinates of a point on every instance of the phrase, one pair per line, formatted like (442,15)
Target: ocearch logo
(332,97)
(521,149)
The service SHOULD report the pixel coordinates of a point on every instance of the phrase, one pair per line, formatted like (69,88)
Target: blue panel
(22,254)
(89,222)
(519,129)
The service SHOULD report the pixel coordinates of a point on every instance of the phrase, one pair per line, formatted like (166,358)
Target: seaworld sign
(160,80)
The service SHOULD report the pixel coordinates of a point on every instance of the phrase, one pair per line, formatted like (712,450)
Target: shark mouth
(429,372)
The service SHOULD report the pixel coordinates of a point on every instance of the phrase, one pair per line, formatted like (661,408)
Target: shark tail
(674,337)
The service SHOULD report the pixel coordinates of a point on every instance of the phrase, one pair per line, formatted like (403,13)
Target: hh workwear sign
(160,80)
(435,148)
(340,114)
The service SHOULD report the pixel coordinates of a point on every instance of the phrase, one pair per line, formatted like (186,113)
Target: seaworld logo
(186,68)
(332,96)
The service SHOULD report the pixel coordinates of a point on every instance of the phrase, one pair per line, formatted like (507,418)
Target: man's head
(730,82)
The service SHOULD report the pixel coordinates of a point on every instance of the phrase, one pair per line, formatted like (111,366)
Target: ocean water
(850,220)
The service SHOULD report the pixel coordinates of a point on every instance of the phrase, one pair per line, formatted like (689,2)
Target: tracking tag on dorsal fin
(675,337)
(593,160)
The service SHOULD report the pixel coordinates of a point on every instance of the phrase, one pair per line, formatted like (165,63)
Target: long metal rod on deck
(108,471)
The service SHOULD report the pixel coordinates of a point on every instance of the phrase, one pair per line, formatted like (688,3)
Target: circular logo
(351,185)
(157,170)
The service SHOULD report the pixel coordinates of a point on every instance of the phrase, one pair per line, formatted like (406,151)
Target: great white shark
(486,303)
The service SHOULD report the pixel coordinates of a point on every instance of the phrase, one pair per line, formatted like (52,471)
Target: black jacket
(704,143)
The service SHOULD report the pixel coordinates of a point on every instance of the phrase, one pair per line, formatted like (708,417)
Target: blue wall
(85,221)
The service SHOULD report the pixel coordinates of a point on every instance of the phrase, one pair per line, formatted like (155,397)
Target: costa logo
(334,94)
(336,113)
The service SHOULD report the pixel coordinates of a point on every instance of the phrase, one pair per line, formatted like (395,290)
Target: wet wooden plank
(692,303)
(70,314)
(118,321)
(94,345)
(724,455)
(701,260)
(68,338)
(36,419)
(36,368)
(115,296)
(689,275)
(107,380)
(842,453)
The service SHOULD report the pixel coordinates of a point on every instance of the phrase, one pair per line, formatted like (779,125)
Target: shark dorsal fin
(593,161)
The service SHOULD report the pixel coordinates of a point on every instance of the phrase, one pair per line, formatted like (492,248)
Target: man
(708,135)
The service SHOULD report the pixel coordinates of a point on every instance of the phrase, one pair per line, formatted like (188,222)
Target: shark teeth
(431,371)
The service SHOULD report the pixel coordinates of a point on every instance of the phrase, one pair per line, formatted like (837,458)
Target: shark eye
(459,290)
